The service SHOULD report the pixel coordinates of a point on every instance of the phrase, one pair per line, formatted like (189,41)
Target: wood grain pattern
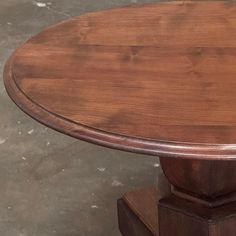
(156,79)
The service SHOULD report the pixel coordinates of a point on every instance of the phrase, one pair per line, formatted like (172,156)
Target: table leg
(202,202)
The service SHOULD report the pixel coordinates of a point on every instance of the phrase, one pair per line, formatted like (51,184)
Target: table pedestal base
(129,223)
(140,214)
(202,201)
(137,213)
(179,217)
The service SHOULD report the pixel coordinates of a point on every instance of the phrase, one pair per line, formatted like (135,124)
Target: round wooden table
(156,79)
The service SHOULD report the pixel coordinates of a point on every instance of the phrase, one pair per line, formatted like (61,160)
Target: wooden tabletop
(157,78)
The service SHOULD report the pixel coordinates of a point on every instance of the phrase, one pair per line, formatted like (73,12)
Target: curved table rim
(111,140)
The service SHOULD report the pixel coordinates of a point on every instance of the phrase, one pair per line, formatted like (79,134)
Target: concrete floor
(51,184)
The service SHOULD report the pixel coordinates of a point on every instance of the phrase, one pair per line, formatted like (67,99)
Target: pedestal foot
(129,223)
(179,217)
(202,202)
(137,213)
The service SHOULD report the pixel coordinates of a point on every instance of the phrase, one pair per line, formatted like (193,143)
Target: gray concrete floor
(51,184)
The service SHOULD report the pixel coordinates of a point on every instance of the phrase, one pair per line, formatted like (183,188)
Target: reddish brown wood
(211,181)
(155,79)
(143,204)
(203,201)
(137,212)
(184,218)
(176,216)
(129,223)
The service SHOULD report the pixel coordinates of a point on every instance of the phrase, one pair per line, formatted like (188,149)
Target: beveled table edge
(111,140)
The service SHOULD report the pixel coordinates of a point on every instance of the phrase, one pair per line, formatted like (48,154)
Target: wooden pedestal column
(202,202)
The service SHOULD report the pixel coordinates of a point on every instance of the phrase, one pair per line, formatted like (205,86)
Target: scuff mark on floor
(101,169)
(31,131)
(41,4)
(2,141)
(156,165)
(48,6)
(116,183)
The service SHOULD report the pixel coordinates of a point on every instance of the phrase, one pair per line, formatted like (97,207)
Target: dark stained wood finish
(158,79)
(154,79)
(129,223)
(203,202)
(137,212)
(176,216)
(143,203)
(208,180)
(184,218)
(138,209)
